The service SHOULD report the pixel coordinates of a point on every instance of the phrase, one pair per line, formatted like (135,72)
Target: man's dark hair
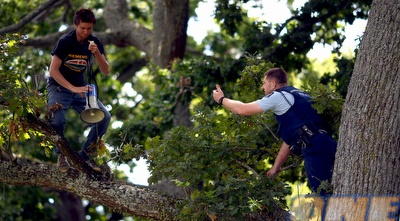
(278,74)
(84,15)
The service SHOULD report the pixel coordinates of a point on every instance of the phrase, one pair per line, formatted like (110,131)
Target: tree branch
(31,121)
(119,196)
(248,167)
(118,21)
(29,17)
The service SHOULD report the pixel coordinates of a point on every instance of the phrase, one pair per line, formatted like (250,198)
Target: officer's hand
(272,172)
(217,93)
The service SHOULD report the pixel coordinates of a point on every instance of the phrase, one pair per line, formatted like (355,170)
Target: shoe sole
(95,167)
(63,170)
(97,170)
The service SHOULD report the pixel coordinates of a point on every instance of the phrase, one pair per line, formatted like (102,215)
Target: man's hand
(217,93)
(93,47)
(81,90)
(283,154)
(272,172)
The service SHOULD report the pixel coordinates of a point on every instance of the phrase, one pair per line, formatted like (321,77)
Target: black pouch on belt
(304,136)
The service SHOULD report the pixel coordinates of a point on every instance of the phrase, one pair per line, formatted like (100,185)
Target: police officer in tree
(300,126)
(66,86)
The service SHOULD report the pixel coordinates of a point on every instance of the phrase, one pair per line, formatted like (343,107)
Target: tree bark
(367,160)
(118,196)
(170,19)
(125,31)
(70,208)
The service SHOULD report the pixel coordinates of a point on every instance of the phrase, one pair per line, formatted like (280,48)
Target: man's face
(83,30)
(268,86)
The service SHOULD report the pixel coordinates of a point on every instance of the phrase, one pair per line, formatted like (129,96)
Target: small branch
(248,167)
(293,165)
(271,132)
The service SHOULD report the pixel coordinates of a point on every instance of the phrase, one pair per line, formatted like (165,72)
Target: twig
(248,167)
(293,165)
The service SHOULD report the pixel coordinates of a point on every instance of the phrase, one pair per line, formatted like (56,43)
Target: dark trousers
(319,160)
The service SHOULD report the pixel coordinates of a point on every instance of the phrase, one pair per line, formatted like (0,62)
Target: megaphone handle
(88,105)
(87,100)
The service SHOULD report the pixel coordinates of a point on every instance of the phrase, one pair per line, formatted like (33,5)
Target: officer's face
(268,86)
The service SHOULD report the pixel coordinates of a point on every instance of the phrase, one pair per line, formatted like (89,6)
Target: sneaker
(94,166)
(62,163)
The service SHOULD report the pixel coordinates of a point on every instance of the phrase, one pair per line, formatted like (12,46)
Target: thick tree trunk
(165,43)
(167,40)
(70,208)
(367,160)
(170,19)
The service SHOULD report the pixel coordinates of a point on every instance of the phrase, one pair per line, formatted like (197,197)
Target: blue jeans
(63,96)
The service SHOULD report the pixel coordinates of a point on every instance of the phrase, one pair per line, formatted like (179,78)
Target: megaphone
(92,113)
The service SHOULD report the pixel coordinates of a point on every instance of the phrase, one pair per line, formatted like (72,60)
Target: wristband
(220,100)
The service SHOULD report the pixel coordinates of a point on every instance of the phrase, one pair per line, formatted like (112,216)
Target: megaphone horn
(92,113)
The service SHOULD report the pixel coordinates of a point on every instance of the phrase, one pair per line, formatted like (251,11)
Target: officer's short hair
(278,74)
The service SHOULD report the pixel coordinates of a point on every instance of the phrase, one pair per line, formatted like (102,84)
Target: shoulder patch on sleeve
(269,95)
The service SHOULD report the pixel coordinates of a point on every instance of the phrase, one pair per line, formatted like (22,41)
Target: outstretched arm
(236,106)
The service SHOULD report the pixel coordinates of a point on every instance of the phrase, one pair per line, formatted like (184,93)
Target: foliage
(20,100)
(329,104)
(214,157)
(341,79)
(28,203)
(285,44)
